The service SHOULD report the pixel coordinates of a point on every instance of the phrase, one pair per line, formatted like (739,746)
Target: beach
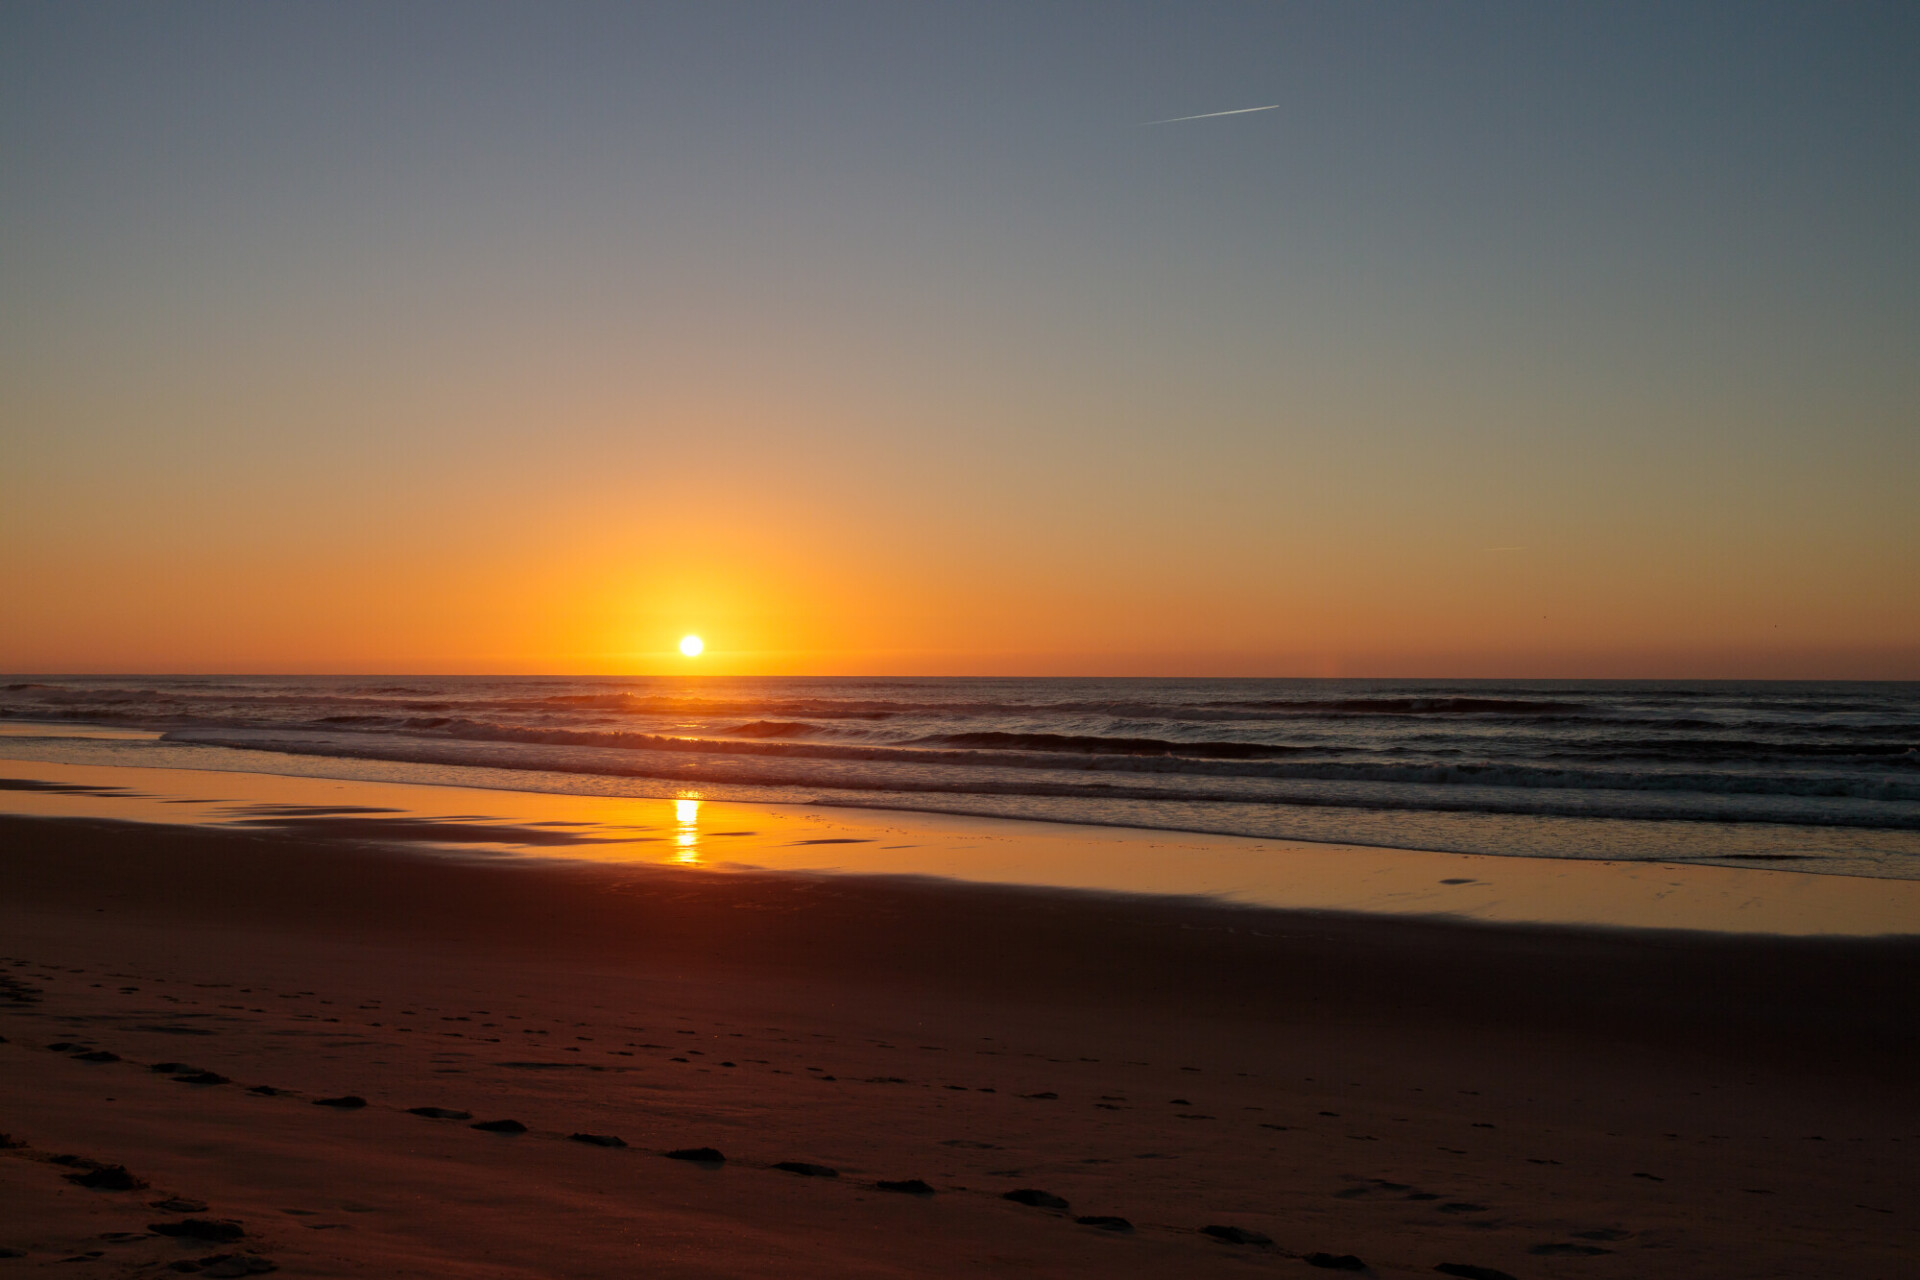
(1215,1086)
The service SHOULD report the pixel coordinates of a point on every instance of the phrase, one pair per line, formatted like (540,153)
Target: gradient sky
(1519,340)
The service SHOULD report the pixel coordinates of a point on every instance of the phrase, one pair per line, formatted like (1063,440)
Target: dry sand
(1536,1101)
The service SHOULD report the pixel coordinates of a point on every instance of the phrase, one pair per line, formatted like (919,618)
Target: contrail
(1211,114)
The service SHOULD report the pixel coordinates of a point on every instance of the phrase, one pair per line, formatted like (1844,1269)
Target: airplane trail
(1208,115)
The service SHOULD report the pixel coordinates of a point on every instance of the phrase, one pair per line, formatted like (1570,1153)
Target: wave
(1763,749)
(680,705)
(772,729)
(1467,774)
(670,704)
(1094,744)
(1235,760)
(792,771)
(1414,706)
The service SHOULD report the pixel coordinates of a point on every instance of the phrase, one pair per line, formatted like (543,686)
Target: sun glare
(692,645)
(686,835)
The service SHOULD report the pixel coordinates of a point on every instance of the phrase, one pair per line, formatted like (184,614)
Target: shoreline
(718,835)
(1758,840)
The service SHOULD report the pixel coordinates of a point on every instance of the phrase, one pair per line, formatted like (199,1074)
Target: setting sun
(692,645)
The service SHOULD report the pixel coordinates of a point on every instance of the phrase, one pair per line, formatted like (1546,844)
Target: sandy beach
(1177,1086)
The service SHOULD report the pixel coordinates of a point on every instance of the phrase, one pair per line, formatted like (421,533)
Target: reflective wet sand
(712,836)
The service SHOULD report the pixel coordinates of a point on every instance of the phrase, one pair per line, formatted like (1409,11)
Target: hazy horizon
(1510,342)
(692,672)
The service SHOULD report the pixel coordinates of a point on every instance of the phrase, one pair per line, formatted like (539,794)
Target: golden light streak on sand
(686,836)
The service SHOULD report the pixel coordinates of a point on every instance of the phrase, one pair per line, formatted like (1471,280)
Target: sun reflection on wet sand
(686,834)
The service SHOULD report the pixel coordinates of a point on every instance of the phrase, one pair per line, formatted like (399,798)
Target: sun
(692,645)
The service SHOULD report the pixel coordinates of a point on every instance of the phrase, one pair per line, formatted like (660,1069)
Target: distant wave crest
(1094,744)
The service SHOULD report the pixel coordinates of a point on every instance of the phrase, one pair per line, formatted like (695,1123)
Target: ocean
(1821,777)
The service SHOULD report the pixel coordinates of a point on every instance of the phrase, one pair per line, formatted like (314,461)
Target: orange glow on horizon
(785,597)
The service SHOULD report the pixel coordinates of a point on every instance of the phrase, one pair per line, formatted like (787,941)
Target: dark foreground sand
(1537,1102)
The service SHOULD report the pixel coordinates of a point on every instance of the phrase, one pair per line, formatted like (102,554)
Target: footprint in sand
(906,1186)
(597,1139)
(219,1232)
(499,1126)
(1035,1197)
(179,1204)
(440,1113)
(697,1155)
(110,1177)
(806,1170)
(224,1265)
(348,1102)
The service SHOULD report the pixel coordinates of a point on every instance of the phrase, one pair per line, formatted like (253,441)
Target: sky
(1516,340)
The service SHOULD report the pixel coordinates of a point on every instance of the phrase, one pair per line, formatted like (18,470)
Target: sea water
(1807,776)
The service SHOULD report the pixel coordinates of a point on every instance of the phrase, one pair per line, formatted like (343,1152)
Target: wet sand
(1541,1102)
(691,833)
